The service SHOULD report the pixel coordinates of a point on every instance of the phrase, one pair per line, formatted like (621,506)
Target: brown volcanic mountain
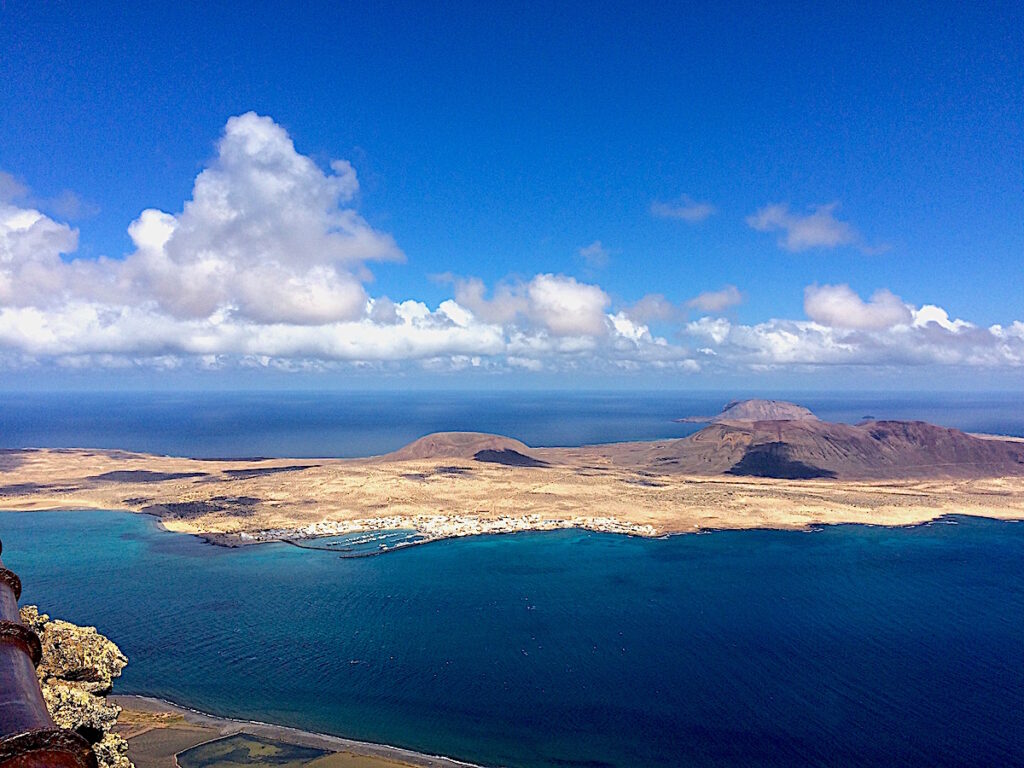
(754,410)
(763,410)
(872,450)
(806,447)
(761,438)
(456,445)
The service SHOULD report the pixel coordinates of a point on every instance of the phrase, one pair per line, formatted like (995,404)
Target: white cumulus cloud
(800,232)
(267,234)
(847,331)
(231,280)
(654,307)
(838,306)
(31,245)
(929,313)
(558,304)
(566,307)
(716,301)
(266,266)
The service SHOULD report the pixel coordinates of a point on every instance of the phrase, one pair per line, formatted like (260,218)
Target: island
(759,464)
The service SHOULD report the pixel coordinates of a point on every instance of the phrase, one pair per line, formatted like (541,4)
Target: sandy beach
(157,731)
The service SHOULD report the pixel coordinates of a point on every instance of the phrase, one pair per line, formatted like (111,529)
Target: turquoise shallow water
(846,646)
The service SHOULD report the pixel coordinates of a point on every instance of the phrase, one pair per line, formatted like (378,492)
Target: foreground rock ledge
(76,673)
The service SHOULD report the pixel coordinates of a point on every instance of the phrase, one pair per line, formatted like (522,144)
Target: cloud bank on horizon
(268,265)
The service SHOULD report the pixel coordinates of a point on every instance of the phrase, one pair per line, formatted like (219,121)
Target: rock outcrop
(77,670)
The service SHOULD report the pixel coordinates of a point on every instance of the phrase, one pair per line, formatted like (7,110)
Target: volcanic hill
(761,438)
(770,438)
(754,410)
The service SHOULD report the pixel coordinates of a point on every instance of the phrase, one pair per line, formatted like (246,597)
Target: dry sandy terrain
(157,732)
(454,495)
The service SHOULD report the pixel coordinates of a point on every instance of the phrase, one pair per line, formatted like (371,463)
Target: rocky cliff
(77,670)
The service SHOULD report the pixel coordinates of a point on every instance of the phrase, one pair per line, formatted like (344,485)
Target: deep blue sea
(849,645)
(310,424)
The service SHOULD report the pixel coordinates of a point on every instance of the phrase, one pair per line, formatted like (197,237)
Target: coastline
(448,486)
(231,541)
(456,527)
(309,542)
(227,726)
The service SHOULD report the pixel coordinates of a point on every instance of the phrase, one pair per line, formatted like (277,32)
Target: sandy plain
(237,502)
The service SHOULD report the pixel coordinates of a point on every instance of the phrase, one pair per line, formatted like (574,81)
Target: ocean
(345,424)
(849,645)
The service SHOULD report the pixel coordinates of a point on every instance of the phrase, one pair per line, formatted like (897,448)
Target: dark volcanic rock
(142,476)
(243,501)
(451,469)
(772,460)
(509,458)
(26,489)
(16,489)
(183,509)
(237,506)
(241,474)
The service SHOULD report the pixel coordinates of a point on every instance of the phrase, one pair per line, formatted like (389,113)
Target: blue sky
(507,142)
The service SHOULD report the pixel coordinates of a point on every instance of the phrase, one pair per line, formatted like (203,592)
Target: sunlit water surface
(846,646)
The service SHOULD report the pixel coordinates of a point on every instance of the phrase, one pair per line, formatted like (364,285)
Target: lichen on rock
(77,670)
